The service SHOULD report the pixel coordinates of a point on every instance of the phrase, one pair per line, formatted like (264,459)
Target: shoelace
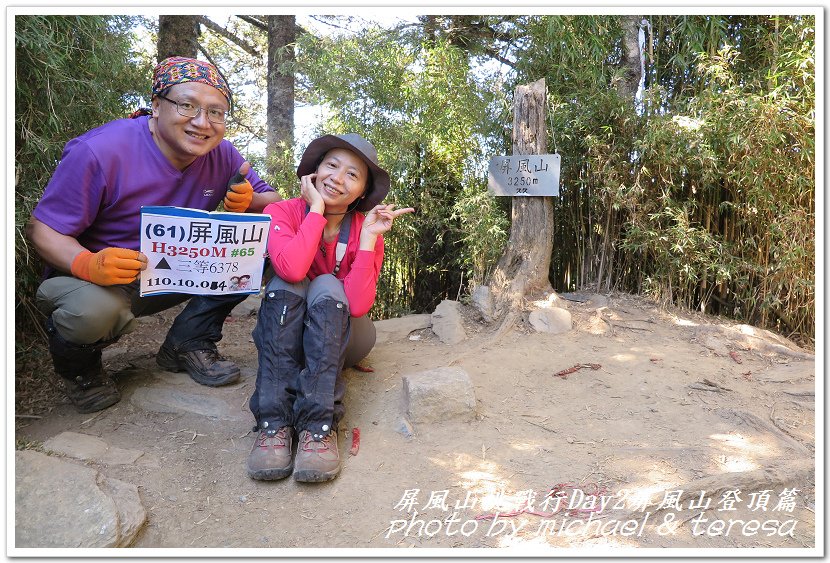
(323,445)
(278,439)
(213,355)
(87,382)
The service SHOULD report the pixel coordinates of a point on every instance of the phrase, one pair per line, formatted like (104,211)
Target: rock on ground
(247,308)
(447,324)
(482,300)
(551,300)
(439,395)
(553,320)
(90,448)
(61,504)
(389,330)
(168,400)
(719,338)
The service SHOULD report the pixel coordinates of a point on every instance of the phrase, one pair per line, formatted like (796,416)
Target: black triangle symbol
(163,265)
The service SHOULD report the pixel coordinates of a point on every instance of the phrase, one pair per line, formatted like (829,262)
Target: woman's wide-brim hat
(316,149)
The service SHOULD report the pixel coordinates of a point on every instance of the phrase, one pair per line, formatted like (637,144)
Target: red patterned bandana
(175,70)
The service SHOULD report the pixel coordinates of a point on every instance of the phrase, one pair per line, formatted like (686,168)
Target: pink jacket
(295,247)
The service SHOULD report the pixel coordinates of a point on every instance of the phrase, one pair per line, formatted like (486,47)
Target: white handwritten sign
(524,175)
(202,252)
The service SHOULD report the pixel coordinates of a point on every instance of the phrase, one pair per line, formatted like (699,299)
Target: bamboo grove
(705,196)
(700,191)
(72,73)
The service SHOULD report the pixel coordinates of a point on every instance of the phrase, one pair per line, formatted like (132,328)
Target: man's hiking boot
(82,372)
(91,392)
(316,460)
(204,366)
(270,458)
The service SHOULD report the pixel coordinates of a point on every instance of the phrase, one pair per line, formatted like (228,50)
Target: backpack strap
(342,239)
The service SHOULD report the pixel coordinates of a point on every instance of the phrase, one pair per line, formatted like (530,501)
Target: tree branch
(485,31)
(495,54)
(211,61)
(255,22)
(247,47)
(259,24)
(329,21)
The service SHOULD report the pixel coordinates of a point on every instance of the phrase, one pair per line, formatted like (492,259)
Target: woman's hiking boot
(317,460)
(270,458)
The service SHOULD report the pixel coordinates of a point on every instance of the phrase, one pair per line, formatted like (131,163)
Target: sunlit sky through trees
(306,116)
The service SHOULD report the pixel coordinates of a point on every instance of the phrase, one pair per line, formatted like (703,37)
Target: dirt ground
(655,406)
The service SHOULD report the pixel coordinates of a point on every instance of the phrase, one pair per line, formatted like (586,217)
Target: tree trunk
(178,36)
(280,112)
(627,86)
(525,264)
(631,59)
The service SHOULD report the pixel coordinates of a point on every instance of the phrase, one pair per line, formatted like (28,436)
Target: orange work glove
(110,266)
(240,192)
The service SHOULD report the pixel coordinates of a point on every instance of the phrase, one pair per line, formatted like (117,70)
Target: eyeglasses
(187,109)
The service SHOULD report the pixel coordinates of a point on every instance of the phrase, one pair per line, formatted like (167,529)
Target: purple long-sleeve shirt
(107,174)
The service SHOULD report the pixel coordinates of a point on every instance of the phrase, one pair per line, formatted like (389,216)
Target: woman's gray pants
(304,337)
